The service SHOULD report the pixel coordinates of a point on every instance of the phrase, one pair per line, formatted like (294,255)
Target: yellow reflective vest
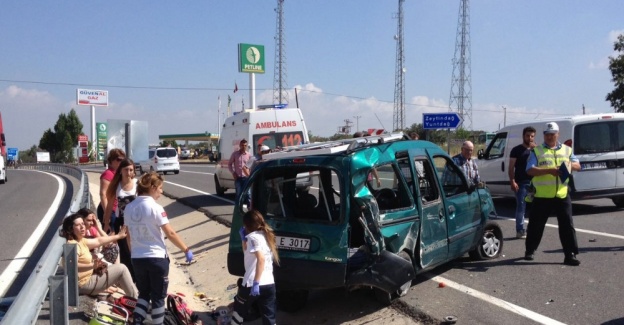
(548,186)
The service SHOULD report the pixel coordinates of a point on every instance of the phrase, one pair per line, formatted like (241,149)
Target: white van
(597,140)
(161,160)
(273,127)
(3,171)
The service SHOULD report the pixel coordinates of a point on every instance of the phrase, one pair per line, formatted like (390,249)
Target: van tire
(618,201)
(490,245)
(386,298)
(291,300)
(176,172)
(220,190)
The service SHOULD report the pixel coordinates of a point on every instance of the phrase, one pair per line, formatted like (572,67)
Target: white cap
(265,148)
(551,127)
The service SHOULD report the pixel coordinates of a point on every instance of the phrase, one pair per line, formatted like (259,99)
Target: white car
(161,160)
(186,153)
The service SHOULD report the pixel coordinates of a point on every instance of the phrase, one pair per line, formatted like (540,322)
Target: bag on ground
(178,312)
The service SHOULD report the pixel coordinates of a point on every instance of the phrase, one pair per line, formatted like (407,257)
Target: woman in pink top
(115,156)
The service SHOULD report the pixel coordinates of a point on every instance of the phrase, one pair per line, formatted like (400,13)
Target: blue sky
(167,62)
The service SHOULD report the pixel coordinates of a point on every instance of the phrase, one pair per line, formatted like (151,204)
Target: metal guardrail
(63,289)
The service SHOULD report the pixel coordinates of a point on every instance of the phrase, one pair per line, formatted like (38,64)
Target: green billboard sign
(102,133)
(250,58)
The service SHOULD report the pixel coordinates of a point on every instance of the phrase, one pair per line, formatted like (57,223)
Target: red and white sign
(92,97)
(375,131)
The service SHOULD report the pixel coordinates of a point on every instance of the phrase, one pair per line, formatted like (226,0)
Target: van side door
(493,166)
(462,205)
(433,245)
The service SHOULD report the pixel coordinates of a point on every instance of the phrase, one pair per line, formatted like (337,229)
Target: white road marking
(201,192)
(497,302)
(17,263)
(597,233)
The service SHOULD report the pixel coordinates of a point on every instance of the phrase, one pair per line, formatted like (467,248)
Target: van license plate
(293,243)
(594,165)
(168,164)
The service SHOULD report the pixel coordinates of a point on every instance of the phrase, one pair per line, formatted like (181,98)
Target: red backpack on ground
(177,312)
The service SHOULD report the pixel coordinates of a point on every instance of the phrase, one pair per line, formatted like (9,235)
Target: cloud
(26,114)
(613,35)
(603,63)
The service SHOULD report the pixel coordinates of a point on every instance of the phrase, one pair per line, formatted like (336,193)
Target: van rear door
(596,145)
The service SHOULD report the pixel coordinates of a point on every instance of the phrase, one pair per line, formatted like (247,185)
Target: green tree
(60,143)
(616,65)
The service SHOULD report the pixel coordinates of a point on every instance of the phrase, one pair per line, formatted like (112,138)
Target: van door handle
(503,166)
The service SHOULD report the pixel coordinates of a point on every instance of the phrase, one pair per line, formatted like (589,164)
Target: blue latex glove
(189,256)
(242,234)
(255,290)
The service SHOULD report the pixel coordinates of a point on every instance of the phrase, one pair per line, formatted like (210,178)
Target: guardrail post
(70,254)
(58,300)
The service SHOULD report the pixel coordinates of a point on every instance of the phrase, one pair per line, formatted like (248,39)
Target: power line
(229,89)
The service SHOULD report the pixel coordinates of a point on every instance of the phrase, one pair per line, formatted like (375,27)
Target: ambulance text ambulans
(273,127)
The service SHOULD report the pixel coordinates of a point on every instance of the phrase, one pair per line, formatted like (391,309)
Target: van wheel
(220,190)
(292,300)
(490,245)
(176,172)
(618,201)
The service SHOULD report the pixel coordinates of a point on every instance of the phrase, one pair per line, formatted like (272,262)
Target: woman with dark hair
(121,190)
(90,283)
(148,225)
(115,156)
(260,251)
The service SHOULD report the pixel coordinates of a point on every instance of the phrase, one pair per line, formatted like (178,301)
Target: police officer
(551,195)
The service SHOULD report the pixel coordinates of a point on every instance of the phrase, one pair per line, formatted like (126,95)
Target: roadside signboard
(432,121)
(250,58)
(12,154)
(92,97)
(43,157)
(100,143)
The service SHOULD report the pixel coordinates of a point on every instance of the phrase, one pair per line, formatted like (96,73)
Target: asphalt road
(508,290)
(32,205)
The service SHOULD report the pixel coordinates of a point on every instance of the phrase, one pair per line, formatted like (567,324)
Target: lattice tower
(460,100)
(399,76)
(280,85)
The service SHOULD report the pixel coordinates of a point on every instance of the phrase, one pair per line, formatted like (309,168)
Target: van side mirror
(480,154)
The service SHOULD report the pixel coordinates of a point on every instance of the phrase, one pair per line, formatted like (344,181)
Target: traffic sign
(12,153)
(432,121)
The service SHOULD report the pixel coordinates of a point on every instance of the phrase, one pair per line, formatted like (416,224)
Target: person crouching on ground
(90,283)
(148,225)
(260,251)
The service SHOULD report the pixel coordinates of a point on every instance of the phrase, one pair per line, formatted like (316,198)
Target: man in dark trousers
(550,164)
(518,178)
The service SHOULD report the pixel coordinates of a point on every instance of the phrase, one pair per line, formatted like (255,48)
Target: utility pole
(504,116)
(357,122)
(460,100)
(583,109)
(280,85)
(398,119)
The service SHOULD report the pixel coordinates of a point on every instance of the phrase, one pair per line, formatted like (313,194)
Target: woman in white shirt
(122,189)
(260,251)
(148,227)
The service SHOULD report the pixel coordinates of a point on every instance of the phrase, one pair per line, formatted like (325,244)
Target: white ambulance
(271,126)
(597,140)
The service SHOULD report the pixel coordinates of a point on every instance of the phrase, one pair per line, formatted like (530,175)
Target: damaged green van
(381,210)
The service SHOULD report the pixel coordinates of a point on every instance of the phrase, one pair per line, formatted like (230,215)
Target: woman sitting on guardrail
(89,282)
(94,229)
